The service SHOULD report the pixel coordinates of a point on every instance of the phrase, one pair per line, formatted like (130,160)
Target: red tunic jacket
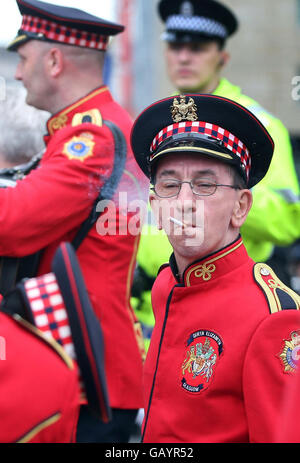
(39,393)
(219,362)
(50,204)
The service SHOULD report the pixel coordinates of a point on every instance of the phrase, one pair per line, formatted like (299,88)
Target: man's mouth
(182,224)
(183,72)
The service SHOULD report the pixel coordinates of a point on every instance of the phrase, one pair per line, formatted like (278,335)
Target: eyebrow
(168,172)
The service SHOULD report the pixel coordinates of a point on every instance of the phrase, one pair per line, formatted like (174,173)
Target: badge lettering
(204,350)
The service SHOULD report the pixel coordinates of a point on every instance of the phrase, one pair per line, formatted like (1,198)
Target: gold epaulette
(93,116)
(278,295)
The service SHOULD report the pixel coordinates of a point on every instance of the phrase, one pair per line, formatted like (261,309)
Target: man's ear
(241,208)
(55,62)
(225,57)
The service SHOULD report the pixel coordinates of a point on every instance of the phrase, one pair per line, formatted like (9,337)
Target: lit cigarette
(177,222)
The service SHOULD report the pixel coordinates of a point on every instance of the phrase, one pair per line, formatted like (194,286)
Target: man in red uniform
(51,347)
(61,54)
(39,386)
(224,347)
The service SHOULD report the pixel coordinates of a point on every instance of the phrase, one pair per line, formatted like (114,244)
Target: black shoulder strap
(8,273)
(110,185)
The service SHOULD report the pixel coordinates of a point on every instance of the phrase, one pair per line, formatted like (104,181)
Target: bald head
(76,56)
(61,74)
(80,56)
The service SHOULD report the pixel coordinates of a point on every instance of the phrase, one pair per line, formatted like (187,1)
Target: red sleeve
(40,391)
(64,426)
(56,197)
(269,371)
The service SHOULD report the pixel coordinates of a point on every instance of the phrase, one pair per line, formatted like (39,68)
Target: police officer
(225,343)
(87,160)
(196,33)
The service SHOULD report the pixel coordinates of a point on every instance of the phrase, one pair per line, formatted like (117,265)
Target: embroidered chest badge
(290,353)
(79,147)
(203,352)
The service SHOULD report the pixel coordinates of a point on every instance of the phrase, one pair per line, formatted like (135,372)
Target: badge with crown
(183,110)
(290,353)
(202,355)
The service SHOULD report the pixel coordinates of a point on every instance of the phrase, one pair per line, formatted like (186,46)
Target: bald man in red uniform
(224,348)
(62,54)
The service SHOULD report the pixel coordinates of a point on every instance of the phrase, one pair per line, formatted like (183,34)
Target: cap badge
(187,9)
(184,111)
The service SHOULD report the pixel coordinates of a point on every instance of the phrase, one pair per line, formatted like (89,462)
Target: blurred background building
(265,54)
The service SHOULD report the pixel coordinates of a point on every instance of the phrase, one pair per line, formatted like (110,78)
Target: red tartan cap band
(49,310)
(229,141)
(68,25)
(50,314)
(208,125)
(56,32)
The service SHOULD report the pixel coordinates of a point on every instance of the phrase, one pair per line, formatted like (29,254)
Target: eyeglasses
(169,188)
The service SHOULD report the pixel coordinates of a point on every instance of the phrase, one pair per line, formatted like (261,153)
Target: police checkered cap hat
(54,23)
(207,125)
(193,20)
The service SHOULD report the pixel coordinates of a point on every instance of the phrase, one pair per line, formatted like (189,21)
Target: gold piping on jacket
(206,269)
(40,427)
(50,341)
(59,118)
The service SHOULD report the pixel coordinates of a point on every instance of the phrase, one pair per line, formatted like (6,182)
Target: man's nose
(18,74)
(184,54)
(186,198)
(186,190)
